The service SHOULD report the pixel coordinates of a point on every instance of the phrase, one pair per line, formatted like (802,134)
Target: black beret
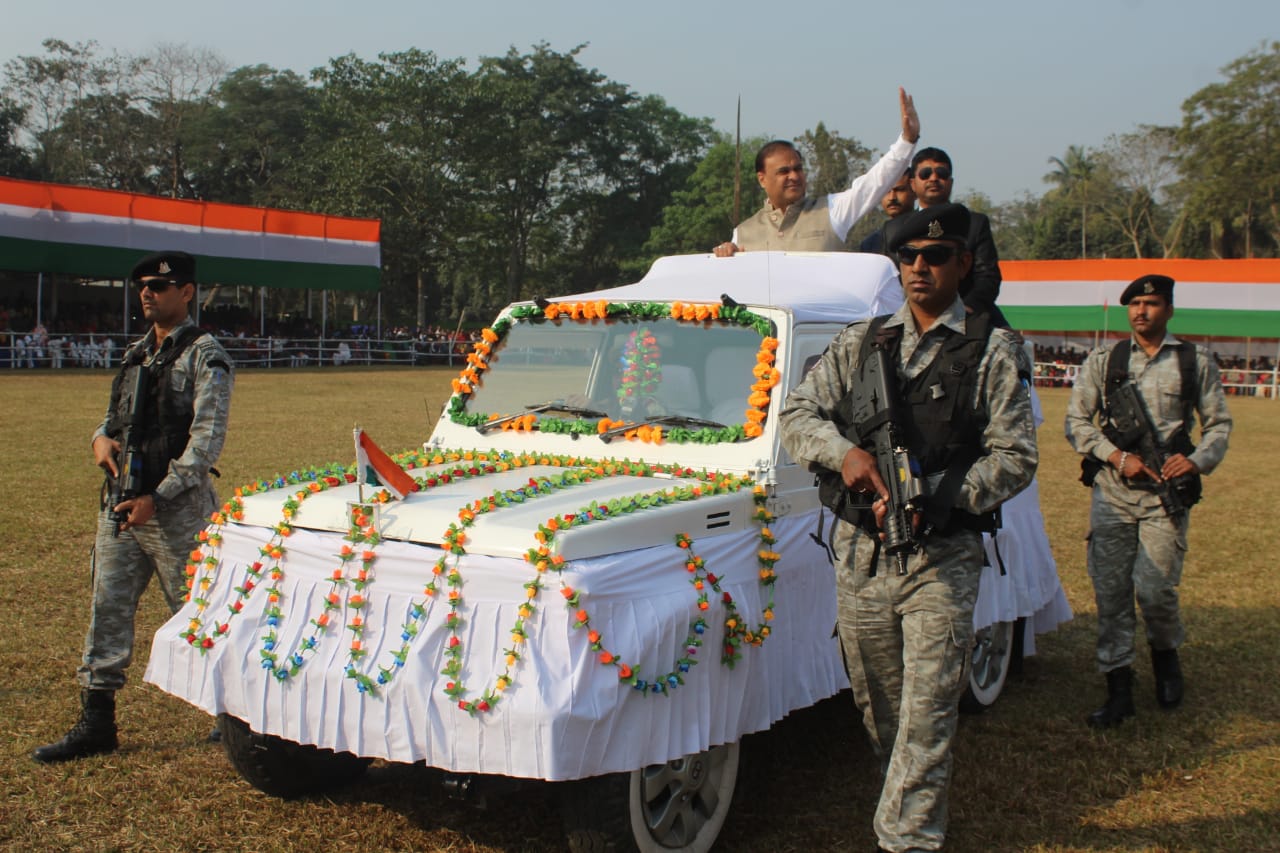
(940,222)
(178,267)
(1148,285)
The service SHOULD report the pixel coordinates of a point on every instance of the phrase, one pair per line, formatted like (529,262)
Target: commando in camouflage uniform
(907,639)
(174,433)
(122,566)
(1135,548)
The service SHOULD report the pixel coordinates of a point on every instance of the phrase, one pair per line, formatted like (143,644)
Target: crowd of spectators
(1252,377)
(79,337)
(82,336)
(1056,367)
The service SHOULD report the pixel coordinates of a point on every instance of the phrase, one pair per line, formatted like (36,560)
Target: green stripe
(1224,323)
(111,262)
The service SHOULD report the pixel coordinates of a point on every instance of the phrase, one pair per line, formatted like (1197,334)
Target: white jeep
(610,569)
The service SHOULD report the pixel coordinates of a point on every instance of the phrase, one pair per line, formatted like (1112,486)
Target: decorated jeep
(601,567)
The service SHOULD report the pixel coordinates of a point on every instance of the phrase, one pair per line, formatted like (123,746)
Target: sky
(1002,86)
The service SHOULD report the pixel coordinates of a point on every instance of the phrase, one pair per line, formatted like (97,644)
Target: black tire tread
(283,768)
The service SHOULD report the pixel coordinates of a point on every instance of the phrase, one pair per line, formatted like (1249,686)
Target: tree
(245,146)
(831,160)
(654,149)
(536,132)
(113,139)
(176,82)
(49,87)
(1229,155)
(1073,178)
(15,161)
(381,143)
(1144,204)
(701,214)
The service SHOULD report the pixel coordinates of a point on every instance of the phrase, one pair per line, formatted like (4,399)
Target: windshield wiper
(662,420)
(535,408)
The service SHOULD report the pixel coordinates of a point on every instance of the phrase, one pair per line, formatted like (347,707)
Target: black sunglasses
(934,255)
(156,285)
(943,173)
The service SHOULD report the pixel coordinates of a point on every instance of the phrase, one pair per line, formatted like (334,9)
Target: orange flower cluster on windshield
(766,376)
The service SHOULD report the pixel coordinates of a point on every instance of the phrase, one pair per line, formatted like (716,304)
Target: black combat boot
(1119,704)
(93,734)
(1168,677)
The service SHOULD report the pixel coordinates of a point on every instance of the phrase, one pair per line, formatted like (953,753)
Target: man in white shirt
(791,222)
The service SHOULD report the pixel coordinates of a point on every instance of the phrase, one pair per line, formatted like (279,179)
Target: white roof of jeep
(832,287)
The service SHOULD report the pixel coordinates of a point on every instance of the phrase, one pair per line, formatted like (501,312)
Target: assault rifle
(128,482)
(1133,431)
(870,415)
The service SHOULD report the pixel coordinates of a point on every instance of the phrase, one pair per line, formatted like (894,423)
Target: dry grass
(1030,775)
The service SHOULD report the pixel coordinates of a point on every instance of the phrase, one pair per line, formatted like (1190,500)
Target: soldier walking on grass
(906,626)
(181,379)
(1130,416)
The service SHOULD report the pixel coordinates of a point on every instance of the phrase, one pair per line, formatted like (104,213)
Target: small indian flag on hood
(376,468)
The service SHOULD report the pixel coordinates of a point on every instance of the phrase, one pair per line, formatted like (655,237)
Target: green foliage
(242,147)
(830,160)
(15,161)
(700,214)
(533,174)
(1229,155)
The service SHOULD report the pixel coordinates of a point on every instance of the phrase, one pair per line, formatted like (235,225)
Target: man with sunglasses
(932,179)
(965,417)
(789,221)
(182,378)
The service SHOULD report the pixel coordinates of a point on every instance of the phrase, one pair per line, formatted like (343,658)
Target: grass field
(1030,775)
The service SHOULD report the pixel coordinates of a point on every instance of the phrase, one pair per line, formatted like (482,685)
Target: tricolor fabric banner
(1220,299)
(375,467)
(57,228)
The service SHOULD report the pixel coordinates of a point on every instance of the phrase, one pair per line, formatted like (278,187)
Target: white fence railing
(1236,381)
(102,351)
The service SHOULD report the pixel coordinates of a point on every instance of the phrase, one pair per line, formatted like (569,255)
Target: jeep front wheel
(283,768)
(677,806)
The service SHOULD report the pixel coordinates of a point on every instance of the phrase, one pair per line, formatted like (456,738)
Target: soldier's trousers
(122,567)
(1134,552)
(907,642)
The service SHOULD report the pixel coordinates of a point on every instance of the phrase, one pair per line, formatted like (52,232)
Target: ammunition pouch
(1089,468)
(835,496)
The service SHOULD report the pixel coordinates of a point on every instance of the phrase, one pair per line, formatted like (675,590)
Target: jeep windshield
(630,370)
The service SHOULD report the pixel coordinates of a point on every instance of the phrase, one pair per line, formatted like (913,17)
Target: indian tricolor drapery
(374,466)
(56,228)
(1221,299)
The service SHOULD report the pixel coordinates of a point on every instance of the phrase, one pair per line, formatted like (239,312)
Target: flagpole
(355,432)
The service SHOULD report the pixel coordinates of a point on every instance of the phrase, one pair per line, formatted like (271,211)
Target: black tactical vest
(944,432)
(168,423)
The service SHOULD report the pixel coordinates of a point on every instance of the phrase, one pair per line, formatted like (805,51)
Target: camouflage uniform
(907,639)
(1134,547)
(123,566)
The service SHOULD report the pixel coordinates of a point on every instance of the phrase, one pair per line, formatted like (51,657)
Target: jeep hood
(425,516)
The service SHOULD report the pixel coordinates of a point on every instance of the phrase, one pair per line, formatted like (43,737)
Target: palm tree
(1074,177)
